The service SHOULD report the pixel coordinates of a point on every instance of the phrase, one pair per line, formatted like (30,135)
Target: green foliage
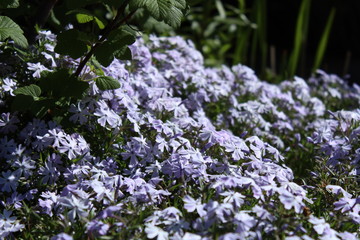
(9,4)
(116,46)
(9,29)
(72,42)
(99,35)
(300,36)
(31,90)
(107,83)
(169,11)
(324,39)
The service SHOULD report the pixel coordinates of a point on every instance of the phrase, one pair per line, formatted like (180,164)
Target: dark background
(344,41)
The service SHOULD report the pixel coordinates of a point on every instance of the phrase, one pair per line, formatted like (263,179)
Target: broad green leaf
(71,43)
(107,83)
(31,90)
(123,53)
(169,11)
(115,46)
(9,3)
(62,84)
(84,18)
(9,29)
(22,103)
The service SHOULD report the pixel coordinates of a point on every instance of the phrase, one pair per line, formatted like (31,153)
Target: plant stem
(114,24)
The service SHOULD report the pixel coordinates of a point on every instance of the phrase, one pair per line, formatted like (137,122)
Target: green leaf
(84,18)
(31,90)
(73,4)
(107,83)
(169,11)
(324,40)
(22,103)
(99,23)
(115,46)
(72,43)
(61,83)
(300,36)
(9,3)
(9,29)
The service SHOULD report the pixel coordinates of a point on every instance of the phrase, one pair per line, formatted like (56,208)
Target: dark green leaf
(9,29)
(9,3)
(123,54)
(169,11)
(116,46)
(107,83)
(72,43)
(31,90)
(40,108)
(62,84)
(73,4)
(22,103)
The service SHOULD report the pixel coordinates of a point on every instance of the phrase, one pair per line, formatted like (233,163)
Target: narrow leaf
(300,35)
(324,40)
(99,23)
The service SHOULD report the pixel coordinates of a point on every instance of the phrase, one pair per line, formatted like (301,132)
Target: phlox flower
(50,172)
(37,68)
(190,204)
(289,200)
(76,207)
(9,181)
(153,231)
(345,204)
(8,224)
(62,236)
(97,228)
(106,115)
(9,85)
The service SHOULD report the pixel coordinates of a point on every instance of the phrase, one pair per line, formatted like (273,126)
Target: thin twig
(114,24)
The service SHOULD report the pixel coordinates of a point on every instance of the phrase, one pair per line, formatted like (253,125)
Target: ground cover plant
(123,136)
(178,151)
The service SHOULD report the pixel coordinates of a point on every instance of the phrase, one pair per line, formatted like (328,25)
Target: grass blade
(324,40)
(300,36)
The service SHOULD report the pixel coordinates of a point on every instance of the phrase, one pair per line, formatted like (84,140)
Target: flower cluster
(181,151)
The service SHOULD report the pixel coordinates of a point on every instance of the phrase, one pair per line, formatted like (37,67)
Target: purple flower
(80,113)
(70,146)
(62,236)
(37,68)
(97,228)
(109,211)
(106,115)
(289,200)
(190,204)
(77,207)
(153,231)
(8,123)
(9,181)
(50,172)
(345,204)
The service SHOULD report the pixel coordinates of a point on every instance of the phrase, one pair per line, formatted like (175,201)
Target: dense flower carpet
(180,151)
